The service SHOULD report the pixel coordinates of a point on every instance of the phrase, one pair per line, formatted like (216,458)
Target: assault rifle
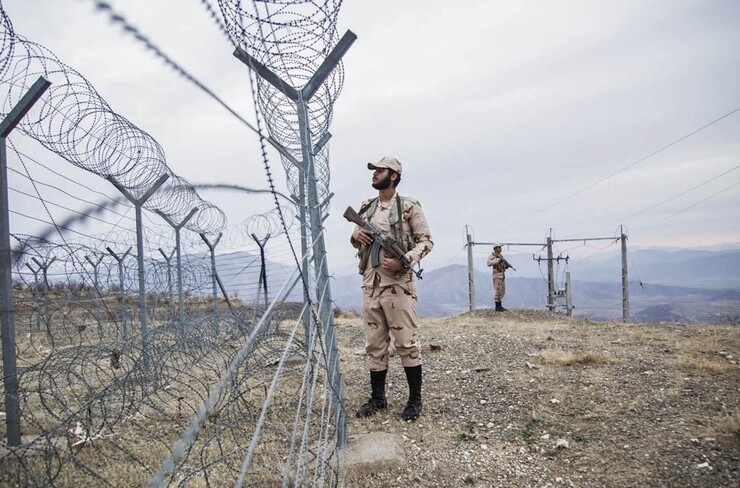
(388,243)
(506,263)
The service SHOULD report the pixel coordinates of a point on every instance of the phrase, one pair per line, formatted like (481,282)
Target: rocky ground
(526,398)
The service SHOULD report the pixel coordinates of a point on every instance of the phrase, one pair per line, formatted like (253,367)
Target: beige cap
(386,162)
(496,244)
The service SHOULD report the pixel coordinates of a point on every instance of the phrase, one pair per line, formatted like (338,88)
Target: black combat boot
(413,406)
(500,308)
(377,399)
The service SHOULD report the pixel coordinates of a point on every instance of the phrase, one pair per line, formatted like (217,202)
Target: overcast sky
(511,117)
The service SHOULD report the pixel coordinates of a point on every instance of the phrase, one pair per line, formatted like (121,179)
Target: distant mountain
(664,285)
(657,313)
(692,268)
(445,292)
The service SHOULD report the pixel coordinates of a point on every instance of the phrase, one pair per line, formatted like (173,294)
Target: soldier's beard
(384,183)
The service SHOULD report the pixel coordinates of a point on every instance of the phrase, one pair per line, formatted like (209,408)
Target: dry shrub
(728,426)
(344,314)
(641,333)
(557,357)
(700,364)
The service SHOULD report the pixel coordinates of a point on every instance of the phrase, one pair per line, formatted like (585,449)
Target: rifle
(380,240)
(506,263)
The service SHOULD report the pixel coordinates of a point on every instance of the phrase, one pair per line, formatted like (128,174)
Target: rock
(562,444)
(368,453)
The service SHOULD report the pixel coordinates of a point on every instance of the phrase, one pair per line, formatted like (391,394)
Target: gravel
(525,398)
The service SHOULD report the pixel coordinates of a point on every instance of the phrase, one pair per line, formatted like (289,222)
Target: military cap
(386,162)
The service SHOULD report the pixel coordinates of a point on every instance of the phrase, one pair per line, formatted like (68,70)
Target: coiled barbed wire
(99,394)
(75,122)
(292,38)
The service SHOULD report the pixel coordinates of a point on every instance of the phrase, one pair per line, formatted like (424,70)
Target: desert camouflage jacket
(413,235)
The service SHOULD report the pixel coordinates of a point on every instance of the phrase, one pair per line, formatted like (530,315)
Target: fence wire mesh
(230,383)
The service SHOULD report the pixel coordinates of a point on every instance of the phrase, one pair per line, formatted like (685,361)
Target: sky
(518,120)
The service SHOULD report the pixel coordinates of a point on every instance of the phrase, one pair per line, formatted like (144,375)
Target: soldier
(389,290)
(499,265)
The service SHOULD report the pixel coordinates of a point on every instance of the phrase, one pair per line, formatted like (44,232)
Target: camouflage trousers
(390,312)
(499,288)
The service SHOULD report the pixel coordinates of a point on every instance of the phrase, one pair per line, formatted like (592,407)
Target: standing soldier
(389,290)
(499,264)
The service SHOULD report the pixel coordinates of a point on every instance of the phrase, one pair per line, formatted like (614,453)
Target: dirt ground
(525,398)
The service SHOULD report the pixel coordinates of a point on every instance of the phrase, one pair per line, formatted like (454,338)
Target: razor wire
(92,411)
(85,390)
(76,123)
(291,38)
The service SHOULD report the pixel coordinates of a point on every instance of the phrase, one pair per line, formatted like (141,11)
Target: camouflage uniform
(389,299)
(496,261)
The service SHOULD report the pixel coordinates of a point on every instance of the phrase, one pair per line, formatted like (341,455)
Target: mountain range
(665,286)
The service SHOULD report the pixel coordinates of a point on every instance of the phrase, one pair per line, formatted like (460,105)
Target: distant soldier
(499,264)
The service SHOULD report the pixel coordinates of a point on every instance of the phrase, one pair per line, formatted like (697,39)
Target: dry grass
(626,402)
(726,427)
(133,426)
(637,406)
(556,357)
(702,364)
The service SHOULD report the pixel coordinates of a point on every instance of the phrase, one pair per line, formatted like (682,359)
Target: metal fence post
(7,309)
(177,228)
(315,209)
(138,202)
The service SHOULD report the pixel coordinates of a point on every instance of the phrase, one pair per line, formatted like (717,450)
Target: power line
(117,18)
(624,219)
(687,208)
(620,170)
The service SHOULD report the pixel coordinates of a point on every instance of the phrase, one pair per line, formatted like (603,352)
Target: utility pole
(471,271)
(550,275)
(568,295)
(625,281)
(552,294)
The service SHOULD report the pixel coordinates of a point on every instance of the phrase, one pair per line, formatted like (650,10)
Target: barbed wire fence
(142,355)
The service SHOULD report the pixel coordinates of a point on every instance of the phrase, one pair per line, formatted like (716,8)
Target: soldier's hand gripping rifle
(392,249)
(506,263)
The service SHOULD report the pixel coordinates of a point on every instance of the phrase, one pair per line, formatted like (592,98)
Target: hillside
(531,399)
